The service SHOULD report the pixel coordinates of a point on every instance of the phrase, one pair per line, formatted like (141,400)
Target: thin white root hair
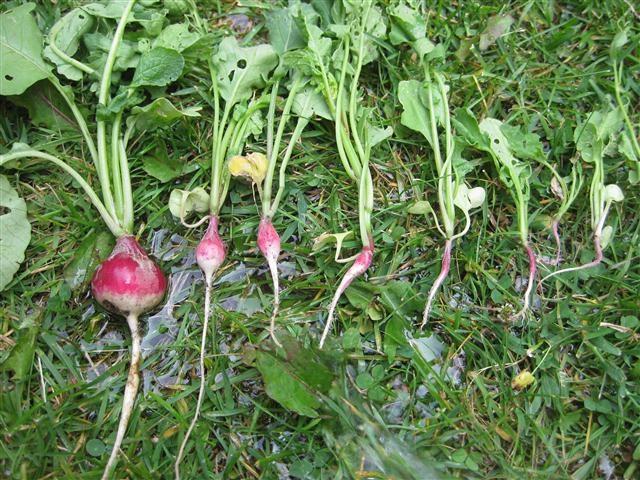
(203,343)
(129,398)
(273,268)
(346,281)
(532,276)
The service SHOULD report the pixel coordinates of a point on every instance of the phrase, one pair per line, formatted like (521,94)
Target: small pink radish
(269,245)
(128,283)
(360,265)
(444,271)
(210,255)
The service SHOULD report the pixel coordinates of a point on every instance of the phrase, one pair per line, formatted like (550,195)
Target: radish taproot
(128,282)
(235,73)
(592,139)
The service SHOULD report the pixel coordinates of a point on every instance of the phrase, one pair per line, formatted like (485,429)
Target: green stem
(627,120)
(273,159)
(449,209)
(110,221)
(82,123)
(297,132)
(71,61)
(342,139)
(271,117)
(115,166)
(105,85)
(127,214)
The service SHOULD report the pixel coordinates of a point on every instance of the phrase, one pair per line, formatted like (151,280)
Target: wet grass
(386,412)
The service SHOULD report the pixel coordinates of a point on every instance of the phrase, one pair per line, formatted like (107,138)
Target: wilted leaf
(159,113)
(183,202)
(21,60)
(20,359)
(86,258)
(15,231)
(497,26)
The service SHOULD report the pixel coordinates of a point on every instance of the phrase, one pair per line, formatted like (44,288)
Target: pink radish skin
(210,255)
(210,252)
(130,284)
(360,265)
(269,245)
(533,268)
(444,272)
(555,227)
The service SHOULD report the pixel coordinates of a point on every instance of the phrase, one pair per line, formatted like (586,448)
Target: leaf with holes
(66,35)
(15,231)
(21,63)
(239,70)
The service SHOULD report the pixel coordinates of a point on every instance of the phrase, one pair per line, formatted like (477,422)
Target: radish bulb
(269,245)
(360,265)
(210,255)
(128,283)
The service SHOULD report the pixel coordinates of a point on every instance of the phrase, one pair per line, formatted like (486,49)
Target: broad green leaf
(46,106)
(467,127)
(415,114)
(407,24)
(376,135)
(15,232)
(21,60)
(159,113)
(158,67)
(20,359)
(497,26)
(66,35)
(394,335)
(523,145)
(151,20)
(239,70)
(309,102)
(286,388)
(98,45)
(176,37)
(401,299)
(284,32)
(421,207)
(86,258)
(619,41)
(159,164)
(360,295)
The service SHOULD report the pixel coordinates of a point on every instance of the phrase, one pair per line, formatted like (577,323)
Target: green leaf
(159,164)
(239,70)
(360,295)
(619,41)
(513,173)
(284,384)
(407,24)
(309,102)
(497,26)
(46,106)
(158,67)
(159,113)
(415,114)
(66,33)
(86,258)
(151,20)
(15,231)
(21,60)
(284,32)
(400,299)
(176,37)
(421,207)
(98,45)
(96,447)
(467,127)
(394,335)
(376,135)
(20,360)
(523,145)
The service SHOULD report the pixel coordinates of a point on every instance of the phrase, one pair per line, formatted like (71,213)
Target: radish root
(205,327)
(133,380)
(595,262)
(532,276)
(444,272)
(273,268)
(556,235)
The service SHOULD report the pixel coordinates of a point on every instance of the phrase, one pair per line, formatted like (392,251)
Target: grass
(391,413)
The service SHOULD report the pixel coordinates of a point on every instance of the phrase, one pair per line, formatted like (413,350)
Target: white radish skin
(532,276)
(269,245)
(360,265)
(129,398)
(210,255)
(594,263)
(444,272)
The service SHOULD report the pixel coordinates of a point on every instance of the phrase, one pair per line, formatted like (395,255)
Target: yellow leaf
(522,380)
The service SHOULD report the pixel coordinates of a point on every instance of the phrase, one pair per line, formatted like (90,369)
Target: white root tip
(203,343)
(129,398)
(527,294)
(444,272)
(273,268)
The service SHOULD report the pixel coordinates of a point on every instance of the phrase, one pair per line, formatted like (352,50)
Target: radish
(425,106)
(235,73)
(354,133)
(128,282)
(591,140)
